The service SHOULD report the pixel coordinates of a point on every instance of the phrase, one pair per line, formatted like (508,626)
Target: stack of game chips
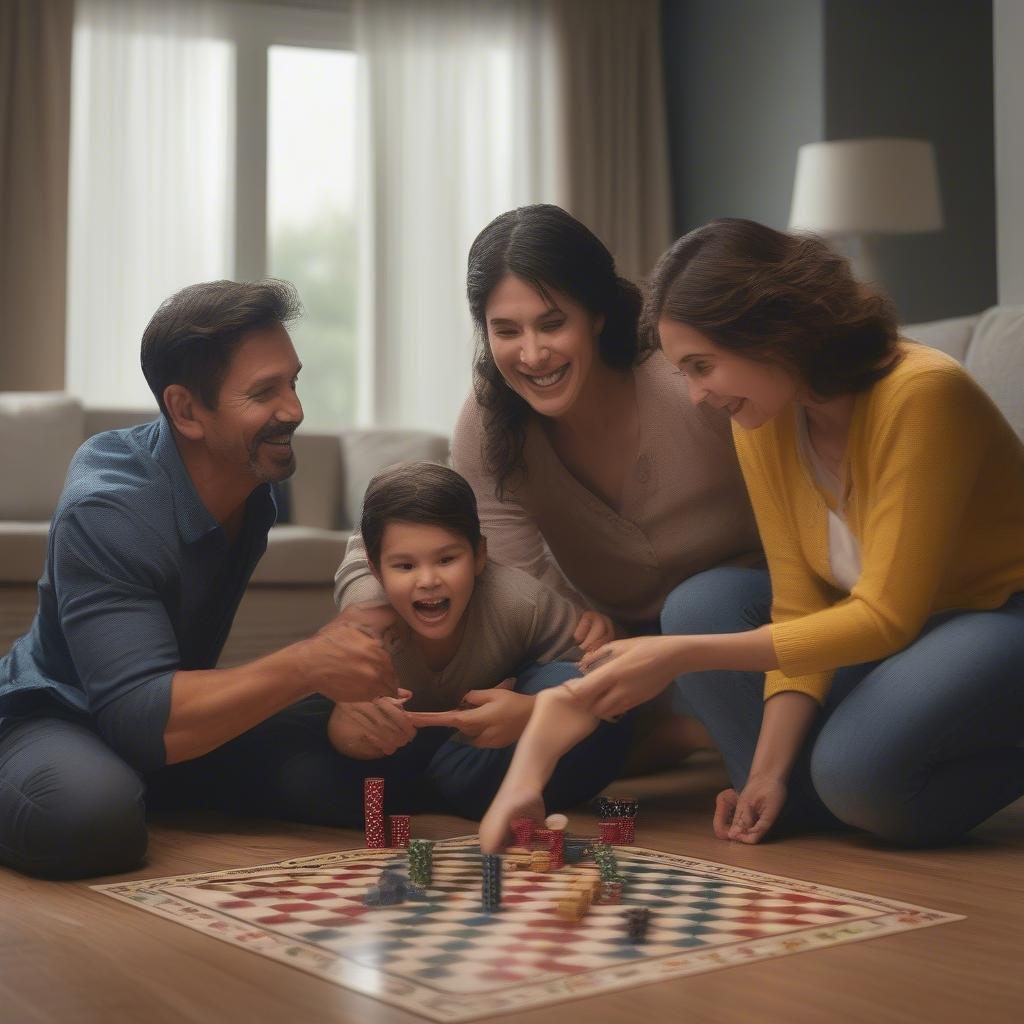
(392,888)
(491,883)
(627,812)
(540,860)
(516,857)
(553,841)
(576,849)
(604,857)
(421,862)
(618,819)
(589,881)
(574,904)
(373,813)
(637,921)
(611,881)
(522,832)
(399,826)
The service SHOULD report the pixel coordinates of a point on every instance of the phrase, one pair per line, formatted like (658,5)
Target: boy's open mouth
(432,611)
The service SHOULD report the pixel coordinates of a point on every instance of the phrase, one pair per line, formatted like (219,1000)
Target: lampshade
(866,186)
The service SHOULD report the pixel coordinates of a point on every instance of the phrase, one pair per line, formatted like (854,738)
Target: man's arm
(109,571)
(210,707)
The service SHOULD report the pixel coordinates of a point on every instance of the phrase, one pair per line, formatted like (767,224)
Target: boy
(466,628)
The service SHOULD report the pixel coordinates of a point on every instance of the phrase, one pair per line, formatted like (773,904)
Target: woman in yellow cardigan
(875,674)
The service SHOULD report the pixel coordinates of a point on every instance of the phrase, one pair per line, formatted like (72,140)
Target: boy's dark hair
(418,492)
(193,334)
(776,297)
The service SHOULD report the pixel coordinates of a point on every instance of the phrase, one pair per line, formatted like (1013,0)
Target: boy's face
(428,574)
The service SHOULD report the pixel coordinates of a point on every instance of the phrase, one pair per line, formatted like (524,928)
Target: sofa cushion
(951,336)
(367,452)
(22,551)
(301,555)
(316,486)
(996,360)
(41,430)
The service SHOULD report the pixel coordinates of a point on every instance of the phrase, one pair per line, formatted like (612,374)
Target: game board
(442,958)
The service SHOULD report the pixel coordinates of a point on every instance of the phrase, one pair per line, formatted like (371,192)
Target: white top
(843,548)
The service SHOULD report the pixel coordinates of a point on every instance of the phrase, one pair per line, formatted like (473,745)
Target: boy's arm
(354,582)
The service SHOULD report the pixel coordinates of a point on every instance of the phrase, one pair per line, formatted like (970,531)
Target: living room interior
(356,149)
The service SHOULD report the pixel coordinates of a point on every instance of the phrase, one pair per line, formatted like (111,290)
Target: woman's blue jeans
(917,748)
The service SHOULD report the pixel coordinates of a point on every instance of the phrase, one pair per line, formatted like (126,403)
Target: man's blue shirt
(140,582)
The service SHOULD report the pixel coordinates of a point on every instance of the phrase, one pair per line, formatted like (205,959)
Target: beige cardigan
(685,507)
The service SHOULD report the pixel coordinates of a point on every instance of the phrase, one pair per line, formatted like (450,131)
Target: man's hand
(748,816)
(345,664)
(380,620)
(371,729)
(593,630)
(495,718)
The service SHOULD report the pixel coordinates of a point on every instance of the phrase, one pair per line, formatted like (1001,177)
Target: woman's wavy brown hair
(779,298)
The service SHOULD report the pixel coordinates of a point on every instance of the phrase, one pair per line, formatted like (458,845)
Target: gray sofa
(290,594)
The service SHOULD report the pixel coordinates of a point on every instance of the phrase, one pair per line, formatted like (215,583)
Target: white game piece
(557,822)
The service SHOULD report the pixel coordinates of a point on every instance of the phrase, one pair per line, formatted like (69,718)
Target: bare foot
(495,828)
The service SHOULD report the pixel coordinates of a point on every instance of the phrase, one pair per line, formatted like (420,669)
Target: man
(151,546)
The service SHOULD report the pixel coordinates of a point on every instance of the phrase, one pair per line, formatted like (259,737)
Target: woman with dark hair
(590,471)
(872,677)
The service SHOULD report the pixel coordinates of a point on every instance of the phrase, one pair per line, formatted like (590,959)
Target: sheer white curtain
(458,126)
(151,179)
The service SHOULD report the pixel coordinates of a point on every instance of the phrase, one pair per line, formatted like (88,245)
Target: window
(311,223)
(210,140)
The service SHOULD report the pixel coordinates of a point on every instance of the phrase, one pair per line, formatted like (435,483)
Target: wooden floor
(69,955)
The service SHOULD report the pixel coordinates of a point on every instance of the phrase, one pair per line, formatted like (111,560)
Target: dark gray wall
(749,81)
(923,69)
(744,91)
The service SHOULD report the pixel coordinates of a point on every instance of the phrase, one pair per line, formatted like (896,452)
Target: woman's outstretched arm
(559,721)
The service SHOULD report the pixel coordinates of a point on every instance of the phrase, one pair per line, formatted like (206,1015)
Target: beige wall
(35,104)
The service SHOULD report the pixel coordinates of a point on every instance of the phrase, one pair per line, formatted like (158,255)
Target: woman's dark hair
(418,492)
(550,250)
(191,337)
(776,297)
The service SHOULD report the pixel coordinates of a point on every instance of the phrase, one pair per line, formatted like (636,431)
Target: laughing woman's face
(752,392)
(543,345)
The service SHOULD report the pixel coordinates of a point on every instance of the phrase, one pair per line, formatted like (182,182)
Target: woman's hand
(593,631)
(748,816)
(625,673)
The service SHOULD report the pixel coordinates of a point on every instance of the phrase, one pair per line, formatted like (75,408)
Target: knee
(870,795)
(544,678)
(82,826)
(722,600)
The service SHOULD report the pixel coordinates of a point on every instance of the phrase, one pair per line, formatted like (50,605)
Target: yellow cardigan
(935,480)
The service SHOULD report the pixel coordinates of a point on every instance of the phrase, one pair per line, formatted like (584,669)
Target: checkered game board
(439,956)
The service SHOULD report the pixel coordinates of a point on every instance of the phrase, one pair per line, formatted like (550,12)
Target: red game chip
(399,828)
(552,840)
(627,830)
(373,813)
(610,831)
(522,832)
